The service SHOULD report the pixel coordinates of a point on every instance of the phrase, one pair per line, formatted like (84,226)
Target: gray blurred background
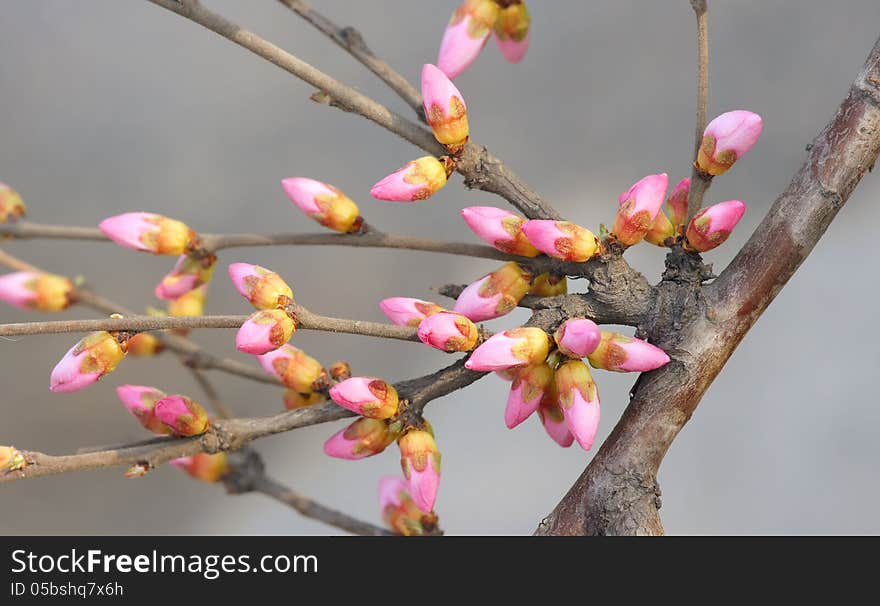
(110,106)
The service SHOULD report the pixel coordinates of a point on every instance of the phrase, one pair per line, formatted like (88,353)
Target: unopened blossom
(262,287)
(526,392)
(620,353)
(90,359)
(712,226)
(417,180)
(149,232)
(11,205)
(552,418)
(140,401)
(448,331)
(181,415)
(406,311)
(522,346)
(324,203)
(189,304)
(512,30)
(294,399)
(204,466)
(36,290)
(363,438)
(548,285)
(495,294)
(144,345)
(340,370)
(294,368)
(188,273)
(445,109)
(579,400)
(726,139)
(677,202)
(500,228)
(561,239)
(398,509)
(577,337)
(466,35)
(420,461)
(662,230)
(264,331)
(639,206)
(11,459)
(367,396)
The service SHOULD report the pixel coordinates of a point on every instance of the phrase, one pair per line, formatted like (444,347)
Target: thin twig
(700,181)
(220,409)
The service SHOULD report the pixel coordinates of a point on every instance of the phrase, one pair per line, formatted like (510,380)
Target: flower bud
(662,230)
(553,420)
(495,294)
(363,438)
(11,459)
(340,370)
(398,509)
(140,401)
(144,345)
(420,461)
(417,180)
(466,35)
(639,206)
(138,470)
(149,232)
(188,274)
(36,290)
(11,204)
(204,466)
(324,203)
(726,139)
(677,203)
(712,226)
(500,228)
(189,304)
(445,109)
(549,285)
(577,337)
(448,332)
(579,400)
(620,353)
(294,399)
(93,357)
(526,392)
(262,287)
(367,396)
(512,30)
(264,331)
(404,311)
(522,346)
(181,415)
(294,368)
(561,239)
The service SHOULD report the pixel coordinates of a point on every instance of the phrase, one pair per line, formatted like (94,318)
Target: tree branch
(700,181)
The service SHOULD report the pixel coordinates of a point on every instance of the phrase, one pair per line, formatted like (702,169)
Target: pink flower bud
(417,180)
(500,228)
(363,438)
(11,204)
(294,368)
(399,511)
(181,415)
(140,400)
(495,294)
(405,311)
(553,420)
(35,290)
(620,353)
(93,357)
(188,274)
(512,31)
(367,396)
(445,109)
(466,35)
(526,392)
(579,400)
(561,239)
(677,203)
(726,139)
(203,466)
(549,285)
(448,332)
(712,226)
(262,287)
(323,203)
(264,331)
(577,337)
(392,491)
(149,232)
(420,461)
(639,206)
(522,346)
